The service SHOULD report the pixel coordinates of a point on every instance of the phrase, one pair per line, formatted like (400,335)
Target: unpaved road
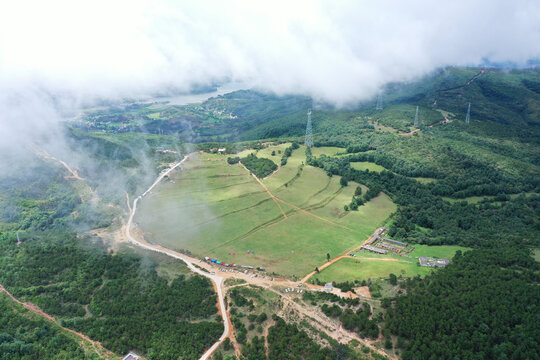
(306,278)
(265,188)
(36,310)
(410,132)
(318,320)
(217,280)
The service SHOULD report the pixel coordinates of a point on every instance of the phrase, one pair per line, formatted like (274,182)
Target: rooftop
(131,356)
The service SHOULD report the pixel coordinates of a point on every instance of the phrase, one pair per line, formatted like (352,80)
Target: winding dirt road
(217,280)
(99,349)
(209,271)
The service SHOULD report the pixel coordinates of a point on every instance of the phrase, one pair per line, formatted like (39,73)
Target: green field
(362,269)
(441,252)
(327,150)
(366,165)
(424,180)
(214,209)
(370,265)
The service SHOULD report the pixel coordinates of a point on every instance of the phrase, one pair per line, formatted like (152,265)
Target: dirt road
(306,278)
(410,132)
(36,310)
(266,189)
(212,271)
(217,280)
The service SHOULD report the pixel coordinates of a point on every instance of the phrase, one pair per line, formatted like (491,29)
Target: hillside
(281,226)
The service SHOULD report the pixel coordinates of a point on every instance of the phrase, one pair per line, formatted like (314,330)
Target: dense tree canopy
(261,167)
(484,305)
(119,300)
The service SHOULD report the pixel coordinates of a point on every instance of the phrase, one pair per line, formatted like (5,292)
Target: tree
(346,208)
(343,181)
(358,191)
(393,279)
(233,160)
(317,270)
(273,153)
(328,256)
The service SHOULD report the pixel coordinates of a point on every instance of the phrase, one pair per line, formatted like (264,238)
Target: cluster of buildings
(374,249)
(433,262)
(379,245)
(162,150)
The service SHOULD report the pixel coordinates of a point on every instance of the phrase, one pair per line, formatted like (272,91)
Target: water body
(185,99)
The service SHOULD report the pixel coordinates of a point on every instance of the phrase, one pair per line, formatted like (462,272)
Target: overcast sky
(336,51)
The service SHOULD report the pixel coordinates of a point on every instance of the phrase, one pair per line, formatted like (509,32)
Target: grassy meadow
(367,265)
(214,209)
(362,269)
(366,165)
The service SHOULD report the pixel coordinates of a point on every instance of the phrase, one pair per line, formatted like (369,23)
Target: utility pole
(309,132)
(379,102)
(468,117)
(416,118)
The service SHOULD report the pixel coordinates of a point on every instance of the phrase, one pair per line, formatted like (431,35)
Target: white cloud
(337,51)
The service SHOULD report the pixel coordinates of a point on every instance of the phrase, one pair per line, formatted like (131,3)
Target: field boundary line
(265,188)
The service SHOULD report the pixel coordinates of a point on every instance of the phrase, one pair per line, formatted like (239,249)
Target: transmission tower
(379,102)
(416,118)
(309,131)
(468,117)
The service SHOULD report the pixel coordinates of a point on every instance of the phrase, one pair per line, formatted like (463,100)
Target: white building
(131,356)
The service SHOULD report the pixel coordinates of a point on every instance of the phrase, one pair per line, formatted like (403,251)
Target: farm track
(265,188)
(316,216)
(345,255)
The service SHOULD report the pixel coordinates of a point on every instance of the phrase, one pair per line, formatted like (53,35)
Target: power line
(309,131)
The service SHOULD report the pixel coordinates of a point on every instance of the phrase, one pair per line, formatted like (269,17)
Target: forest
(27,336)
(482,306)
(423,216)
(118,300)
